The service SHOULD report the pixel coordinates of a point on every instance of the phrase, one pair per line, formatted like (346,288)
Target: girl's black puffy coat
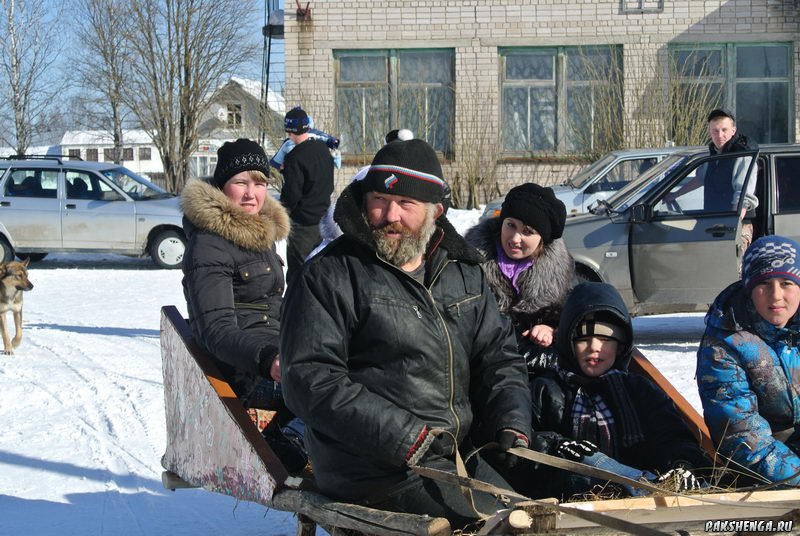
(233,281)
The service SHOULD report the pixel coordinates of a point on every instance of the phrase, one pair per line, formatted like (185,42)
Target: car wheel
(6,251)
(34,257)
(167,249)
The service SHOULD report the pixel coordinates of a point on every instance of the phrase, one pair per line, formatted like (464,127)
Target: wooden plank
(644,367)
(211,441)
(688,512)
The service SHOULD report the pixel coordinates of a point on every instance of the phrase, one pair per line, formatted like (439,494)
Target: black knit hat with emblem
(237,156)
(408,168)
(538,207)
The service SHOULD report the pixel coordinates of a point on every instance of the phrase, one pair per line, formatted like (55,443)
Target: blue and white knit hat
(770,256)
(296,121)
(408,168)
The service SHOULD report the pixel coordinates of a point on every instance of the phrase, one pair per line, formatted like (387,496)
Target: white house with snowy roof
(234,111)
(139,154)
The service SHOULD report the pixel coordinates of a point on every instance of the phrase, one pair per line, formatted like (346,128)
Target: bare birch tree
(182,48)
(102,27)
(27,52)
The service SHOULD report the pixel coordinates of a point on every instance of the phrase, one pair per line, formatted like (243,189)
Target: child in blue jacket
(748,364)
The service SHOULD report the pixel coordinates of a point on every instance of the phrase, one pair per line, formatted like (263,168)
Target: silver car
(662,249)
(599,180)
(53,205)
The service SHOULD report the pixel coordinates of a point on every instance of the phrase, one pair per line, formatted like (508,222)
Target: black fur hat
(409,168)
(538,207)
(237,156)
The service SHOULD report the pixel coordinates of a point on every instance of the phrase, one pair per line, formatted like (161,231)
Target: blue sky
(252,70)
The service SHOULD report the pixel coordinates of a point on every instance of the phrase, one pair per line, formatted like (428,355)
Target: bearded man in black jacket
(395,336)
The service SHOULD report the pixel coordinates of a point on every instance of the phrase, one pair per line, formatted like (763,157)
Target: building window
(752,80)
(91,155)
(561,100)
(144,153)
(74,154)
(127,154)
(109,155)
(642,6)
(234,116)
(379,90)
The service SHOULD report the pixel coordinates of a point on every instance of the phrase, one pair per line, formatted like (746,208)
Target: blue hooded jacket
(748,374)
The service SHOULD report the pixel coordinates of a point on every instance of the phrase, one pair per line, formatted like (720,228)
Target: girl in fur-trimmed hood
(528,267)
(233,277)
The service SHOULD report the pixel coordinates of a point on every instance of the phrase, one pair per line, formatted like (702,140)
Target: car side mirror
(641,213)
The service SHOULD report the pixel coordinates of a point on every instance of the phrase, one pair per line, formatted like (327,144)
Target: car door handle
(71,205)
(720,230)
(5,204)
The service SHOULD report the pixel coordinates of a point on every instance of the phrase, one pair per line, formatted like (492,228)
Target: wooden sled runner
(213,444)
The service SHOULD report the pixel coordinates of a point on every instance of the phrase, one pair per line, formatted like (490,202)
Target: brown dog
(13,281)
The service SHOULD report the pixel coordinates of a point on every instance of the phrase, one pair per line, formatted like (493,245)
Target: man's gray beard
(409,246)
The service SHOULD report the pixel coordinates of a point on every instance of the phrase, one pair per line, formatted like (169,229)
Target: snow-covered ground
(82,409)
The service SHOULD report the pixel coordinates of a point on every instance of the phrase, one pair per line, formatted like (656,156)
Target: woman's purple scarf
(510,268)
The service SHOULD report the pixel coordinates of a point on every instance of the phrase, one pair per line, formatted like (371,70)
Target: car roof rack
(57,157)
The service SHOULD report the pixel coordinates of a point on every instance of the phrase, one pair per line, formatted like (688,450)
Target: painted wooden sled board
(211,441)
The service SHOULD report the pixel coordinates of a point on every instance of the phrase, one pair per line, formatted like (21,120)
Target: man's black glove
(576,450)
(506,439)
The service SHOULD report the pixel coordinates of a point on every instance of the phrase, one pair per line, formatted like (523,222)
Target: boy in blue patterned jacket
(748,364)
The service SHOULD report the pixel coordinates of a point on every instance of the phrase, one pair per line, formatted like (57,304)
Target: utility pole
(272,29)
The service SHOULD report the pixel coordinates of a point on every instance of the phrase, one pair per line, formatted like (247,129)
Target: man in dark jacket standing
(394,336)
(725,180)
(307,188)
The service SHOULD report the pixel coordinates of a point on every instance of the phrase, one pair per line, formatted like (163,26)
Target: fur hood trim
(543,285)
(209,209)
(349,215)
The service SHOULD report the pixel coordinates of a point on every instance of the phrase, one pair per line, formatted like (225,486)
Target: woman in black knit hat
(233,277)
(528,267)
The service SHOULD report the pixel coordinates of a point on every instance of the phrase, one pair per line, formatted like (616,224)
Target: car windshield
(637,188)
(134,185)
(581,178)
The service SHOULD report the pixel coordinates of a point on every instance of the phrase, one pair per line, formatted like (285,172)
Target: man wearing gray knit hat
(396,346)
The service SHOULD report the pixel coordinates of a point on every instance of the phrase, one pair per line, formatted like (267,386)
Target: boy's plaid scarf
(595,420)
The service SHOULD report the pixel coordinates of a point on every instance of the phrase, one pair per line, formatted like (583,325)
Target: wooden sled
(213,444)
